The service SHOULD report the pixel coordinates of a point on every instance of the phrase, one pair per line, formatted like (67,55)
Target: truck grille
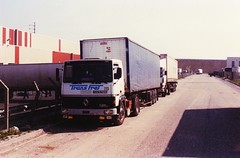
(88,102)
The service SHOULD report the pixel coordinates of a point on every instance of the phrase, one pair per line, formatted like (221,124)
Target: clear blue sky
(205,29)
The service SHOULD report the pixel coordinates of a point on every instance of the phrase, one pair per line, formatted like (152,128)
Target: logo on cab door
(85,87)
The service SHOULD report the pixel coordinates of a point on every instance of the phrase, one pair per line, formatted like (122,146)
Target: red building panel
(60,57)
(11,36)
(75,56)
(25,39)
(4,38)
(16,55)
(20,38)
(30,40)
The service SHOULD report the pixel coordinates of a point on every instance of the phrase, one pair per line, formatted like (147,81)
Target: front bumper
(89,112)
(100,114)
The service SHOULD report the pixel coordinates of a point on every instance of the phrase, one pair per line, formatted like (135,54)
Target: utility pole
(33,27)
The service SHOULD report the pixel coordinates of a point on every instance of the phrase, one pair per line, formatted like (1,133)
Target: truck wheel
(121,116)
(168,90)
(135,106)
(164,94)
(157,94)
(153,97)
(150,99)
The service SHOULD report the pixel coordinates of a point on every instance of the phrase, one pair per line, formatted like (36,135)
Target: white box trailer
(169,74)
(114,76)
(140,66)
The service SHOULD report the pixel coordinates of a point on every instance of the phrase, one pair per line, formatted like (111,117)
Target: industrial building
(207,65)
(21,47)
(232,71)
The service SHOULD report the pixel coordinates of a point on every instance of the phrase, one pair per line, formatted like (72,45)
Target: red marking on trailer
(103,43)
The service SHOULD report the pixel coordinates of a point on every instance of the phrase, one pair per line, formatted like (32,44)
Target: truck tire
(135,106)
(157,94)
(168,90)
(172,89)
(153,97)
(164,94)
(149,98)
(122,114)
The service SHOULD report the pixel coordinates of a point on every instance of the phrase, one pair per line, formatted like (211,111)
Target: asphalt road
(200,119)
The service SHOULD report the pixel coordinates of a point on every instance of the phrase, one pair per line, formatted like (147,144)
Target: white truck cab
(92,87)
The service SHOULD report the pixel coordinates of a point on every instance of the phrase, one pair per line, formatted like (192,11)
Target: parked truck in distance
(199,71)
(113,78)
(168,73)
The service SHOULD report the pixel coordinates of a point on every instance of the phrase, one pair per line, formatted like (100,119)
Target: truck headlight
(64,111)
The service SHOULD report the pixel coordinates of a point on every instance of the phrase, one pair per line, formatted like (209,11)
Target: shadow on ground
(207,133)
(70,126)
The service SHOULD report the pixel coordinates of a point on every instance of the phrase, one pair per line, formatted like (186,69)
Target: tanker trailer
(21,77)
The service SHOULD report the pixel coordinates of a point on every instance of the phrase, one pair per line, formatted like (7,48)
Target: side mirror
(118,74)
(166,73)
(161,72)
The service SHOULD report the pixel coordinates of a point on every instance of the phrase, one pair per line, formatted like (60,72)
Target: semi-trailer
(113,78)
(169,74)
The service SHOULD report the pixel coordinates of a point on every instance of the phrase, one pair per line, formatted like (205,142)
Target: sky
(187,29)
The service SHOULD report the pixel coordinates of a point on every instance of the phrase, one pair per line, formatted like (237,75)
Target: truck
(113,78)
(169,74)
(199,71)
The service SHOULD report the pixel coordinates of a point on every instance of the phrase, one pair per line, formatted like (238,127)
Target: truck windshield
(88,72)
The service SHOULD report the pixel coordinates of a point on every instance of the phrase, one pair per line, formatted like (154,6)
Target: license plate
(86,112)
